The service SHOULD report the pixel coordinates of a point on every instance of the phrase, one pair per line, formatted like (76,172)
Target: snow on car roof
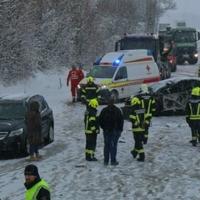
(156,86)
(14,96)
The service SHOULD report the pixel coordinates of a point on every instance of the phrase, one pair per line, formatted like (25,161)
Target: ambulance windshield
(102,71)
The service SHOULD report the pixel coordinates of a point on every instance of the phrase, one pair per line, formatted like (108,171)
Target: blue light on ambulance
(116,62)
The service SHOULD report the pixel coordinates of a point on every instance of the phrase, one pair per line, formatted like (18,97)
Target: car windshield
(102,71)
(143,43)
(185,36)
(12,110)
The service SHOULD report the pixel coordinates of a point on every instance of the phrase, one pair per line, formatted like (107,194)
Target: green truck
(185,39)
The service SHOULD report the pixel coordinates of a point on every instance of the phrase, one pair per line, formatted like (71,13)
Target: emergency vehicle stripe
(135,82)
(130,61)
(141,60)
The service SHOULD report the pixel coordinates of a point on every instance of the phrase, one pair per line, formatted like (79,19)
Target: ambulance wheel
(114,94)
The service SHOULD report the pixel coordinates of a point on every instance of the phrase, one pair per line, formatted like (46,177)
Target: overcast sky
(187,10)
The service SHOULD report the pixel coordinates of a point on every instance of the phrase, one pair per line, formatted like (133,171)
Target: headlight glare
(16,132)
(103,87)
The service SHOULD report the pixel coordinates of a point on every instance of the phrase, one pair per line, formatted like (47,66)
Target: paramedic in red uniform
(74,78)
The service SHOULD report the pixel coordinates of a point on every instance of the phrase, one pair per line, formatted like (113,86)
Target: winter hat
(31,170)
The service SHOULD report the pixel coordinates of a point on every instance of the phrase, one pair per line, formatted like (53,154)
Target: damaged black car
(171,95)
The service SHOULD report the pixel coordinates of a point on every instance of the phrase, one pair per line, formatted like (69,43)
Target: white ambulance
(120,74)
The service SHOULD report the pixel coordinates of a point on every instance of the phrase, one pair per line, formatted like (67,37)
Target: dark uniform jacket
(111,118)
(137,117)
(90,91)
(148,103)
(91,121)
(193,112)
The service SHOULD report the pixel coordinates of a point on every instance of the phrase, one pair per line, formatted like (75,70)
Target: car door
(120,82)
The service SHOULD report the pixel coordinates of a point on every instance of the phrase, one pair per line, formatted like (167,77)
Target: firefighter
(193,115)
(73,77)
(91,129)
(137,118)
(89,91)
(148,104)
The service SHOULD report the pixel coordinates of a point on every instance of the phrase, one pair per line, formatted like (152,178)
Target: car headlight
(103,86)
(196,55)
(16,132)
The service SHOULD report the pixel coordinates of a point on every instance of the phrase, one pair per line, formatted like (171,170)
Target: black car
(171,95)
(13,134)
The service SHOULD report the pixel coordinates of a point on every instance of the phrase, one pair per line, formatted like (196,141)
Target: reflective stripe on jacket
(91,121)
(194,114)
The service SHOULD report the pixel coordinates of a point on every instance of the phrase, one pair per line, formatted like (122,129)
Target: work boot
(134,153)
(114,163)
(32,158)
(38,157)
(94,159)
(88,157)
(194,143)
(141,157)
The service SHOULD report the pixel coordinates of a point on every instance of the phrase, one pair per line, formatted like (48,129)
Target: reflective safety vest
(194,115)
(137,119)
(91,122)
(31,194)
(90,91)
(148,103)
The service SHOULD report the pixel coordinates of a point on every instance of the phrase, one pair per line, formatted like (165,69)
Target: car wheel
(50,134)
(159,106)
(114,95)
(192,61)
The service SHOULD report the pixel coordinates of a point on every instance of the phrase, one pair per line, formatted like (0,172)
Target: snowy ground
(171,170)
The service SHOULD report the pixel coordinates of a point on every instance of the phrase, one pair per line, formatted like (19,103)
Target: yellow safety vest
(32,193)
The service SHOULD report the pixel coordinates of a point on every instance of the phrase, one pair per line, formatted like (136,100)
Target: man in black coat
(111,121)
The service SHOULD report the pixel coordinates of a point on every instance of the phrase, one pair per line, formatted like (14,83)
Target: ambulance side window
(121,74)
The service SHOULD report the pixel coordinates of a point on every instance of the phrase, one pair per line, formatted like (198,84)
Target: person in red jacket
(73,77)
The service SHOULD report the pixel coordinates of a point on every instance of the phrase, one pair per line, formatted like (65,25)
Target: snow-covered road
(171,169)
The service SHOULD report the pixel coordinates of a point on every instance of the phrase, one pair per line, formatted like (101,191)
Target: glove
(83,101)
(145,124)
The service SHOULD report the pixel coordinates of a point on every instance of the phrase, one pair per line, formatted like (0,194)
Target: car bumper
(10,144)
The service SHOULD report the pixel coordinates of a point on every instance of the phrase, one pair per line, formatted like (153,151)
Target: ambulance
(120,74)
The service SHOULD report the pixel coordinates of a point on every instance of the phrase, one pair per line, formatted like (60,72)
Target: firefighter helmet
(90,79)
(196,91)
(93,103)
(135,101)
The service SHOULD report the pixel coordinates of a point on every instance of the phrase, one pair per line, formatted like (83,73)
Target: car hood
(9,125)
